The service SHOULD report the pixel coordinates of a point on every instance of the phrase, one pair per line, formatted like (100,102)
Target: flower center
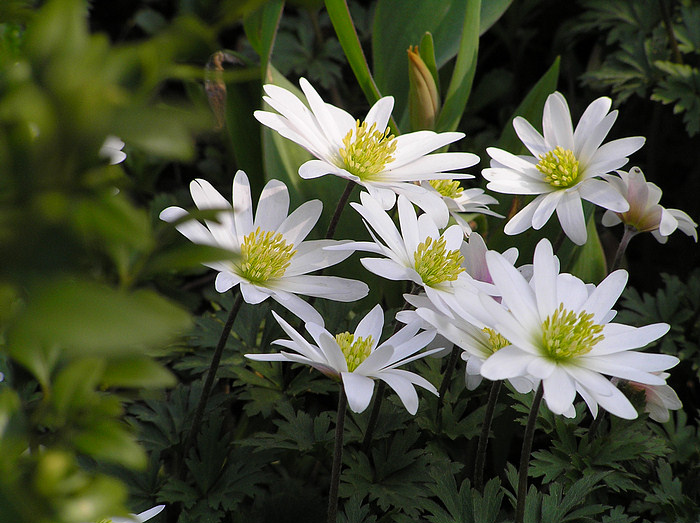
(265,255)
(366,150)
(496,341)
(566,335)
(435,264)
(560,167)
(354,350)
(447,188)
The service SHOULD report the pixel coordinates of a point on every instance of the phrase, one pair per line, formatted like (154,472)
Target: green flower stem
(626,237)
(337,457)
(484,436)
(377,405)
(525,454)
(209,382)
(447,379)
(373,416)
(339,209)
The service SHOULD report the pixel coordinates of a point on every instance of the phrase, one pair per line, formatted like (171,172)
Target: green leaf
(261,29)
(530,108)
(109,440)
(463,74)
(347,36)
(589,263)
(137,371)
(90,319)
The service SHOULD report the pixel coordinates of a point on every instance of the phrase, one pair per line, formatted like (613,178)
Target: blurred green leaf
(463,74)
(185,256)
(110,441)
(261,29)
(531,109)
(137,371)
(86,318)
(589,263)
(345,30)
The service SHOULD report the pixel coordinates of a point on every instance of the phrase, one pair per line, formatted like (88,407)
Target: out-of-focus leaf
(74,386)
(261,29)
(110,441)
(138,371)
(86,318)
(530,108)
(111,218)
(589,262)
(463,74)
(185,257)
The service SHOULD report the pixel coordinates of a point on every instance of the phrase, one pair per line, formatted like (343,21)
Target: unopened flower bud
(424,98)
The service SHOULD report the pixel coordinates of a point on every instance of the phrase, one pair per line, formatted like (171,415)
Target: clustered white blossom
(529,325)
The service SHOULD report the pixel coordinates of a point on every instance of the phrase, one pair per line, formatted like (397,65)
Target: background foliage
(108,322)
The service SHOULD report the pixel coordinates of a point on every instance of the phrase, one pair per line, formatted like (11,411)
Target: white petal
(570,214)
(404,389)
(242,205)
(273,206)
(522,221)
(329,287)
(380,113)
(298,307)
(559,391)
(625,337)
(358,389)
(507,362)
(411,146)
(300,223)
(371,325)
(530,137)
(606,295)
(556,122)
(603,194)
(545,278)
(226,280)
(545,209)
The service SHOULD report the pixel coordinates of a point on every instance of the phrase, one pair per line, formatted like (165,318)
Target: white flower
(419,253)
(274,258)
(477,341)
(138,518)
(112,150)
(563,168)
(645,214)
(560,332)
(365,152)
(358,358)
(460,200)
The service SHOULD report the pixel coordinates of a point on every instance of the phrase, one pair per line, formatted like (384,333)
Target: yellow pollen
(265,255)
(447,188)
(435,264)
(566,334)
(366,150)
(560,167)
(354,350)
(496,341)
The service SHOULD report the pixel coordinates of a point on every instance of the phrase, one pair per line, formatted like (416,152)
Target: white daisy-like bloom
(358,359)
(477,341)
(645,214)
(462,201)
(273,257)
(417,253)
(111,150)
(565,167)
(137,518)
(560,332)
(365,152)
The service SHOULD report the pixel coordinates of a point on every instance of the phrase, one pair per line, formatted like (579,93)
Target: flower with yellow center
(565,167)
(358,359)
(560,333)
(269,254)
(418,253)
(365,151)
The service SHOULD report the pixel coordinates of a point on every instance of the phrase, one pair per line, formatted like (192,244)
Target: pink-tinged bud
(645,213)
(424,98)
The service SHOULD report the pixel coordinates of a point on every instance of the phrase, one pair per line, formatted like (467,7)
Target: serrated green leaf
(138,371)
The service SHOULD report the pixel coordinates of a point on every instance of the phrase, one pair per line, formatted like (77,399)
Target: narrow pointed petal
(358,389)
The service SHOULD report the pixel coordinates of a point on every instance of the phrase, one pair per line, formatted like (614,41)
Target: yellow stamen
(265,255)
(435,264)
(355,350)
(447,188)
(560,167)
(566,334)
(366,150)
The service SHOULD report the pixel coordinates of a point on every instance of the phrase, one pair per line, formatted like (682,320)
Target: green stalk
(337,457)
(209,382)
(484,436)
(525,454)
